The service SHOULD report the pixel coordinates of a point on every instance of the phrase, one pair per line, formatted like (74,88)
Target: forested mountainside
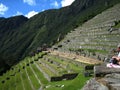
(19,36)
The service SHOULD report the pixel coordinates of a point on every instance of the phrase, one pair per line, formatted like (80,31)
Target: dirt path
(78,58)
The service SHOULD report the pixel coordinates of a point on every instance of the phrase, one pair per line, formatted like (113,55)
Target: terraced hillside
(53,71)
(96,37)
(20,36)
(43,71)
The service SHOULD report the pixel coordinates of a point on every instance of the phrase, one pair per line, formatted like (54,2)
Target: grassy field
(75,84)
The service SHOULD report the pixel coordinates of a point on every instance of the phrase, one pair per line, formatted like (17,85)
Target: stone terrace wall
(96,37)
(64,76)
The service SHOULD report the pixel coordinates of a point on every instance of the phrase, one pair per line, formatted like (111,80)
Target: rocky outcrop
(92,84)
(108,81)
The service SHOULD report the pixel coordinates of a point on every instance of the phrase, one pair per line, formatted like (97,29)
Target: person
(116,59)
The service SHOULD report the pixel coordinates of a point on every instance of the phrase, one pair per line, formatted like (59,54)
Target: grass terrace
(31,73)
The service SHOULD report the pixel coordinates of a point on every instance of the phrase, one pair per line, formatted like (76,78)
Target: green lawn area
(40,75)
(19,82)
(75,84)
(33,78)
(9,81)
(25,80)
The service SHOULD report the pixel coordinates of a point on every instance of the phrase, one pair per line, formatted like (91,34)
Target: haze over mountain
(20,36)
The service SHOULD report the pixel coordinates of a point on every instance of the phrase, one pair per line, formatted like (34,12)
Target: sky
(29,8)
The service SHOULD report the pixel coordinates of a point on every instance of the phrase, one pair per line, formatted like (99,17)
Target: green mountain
(20,36)
(8,28)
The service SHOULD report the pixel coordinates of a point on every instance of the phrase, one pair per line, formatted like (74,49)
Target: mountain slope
(46,27)
(8,28)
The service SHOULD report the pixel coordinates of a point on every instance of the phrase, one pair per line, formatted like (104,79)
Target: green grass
(46,70)
(53,66)
(6,85)
(26,81)
(75,84)
(19,82)
(117,26)
(56,59)
(74,68)
(40,75)
(68,65)
(95,50)
(33,78)
(1,85)
(12,83)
